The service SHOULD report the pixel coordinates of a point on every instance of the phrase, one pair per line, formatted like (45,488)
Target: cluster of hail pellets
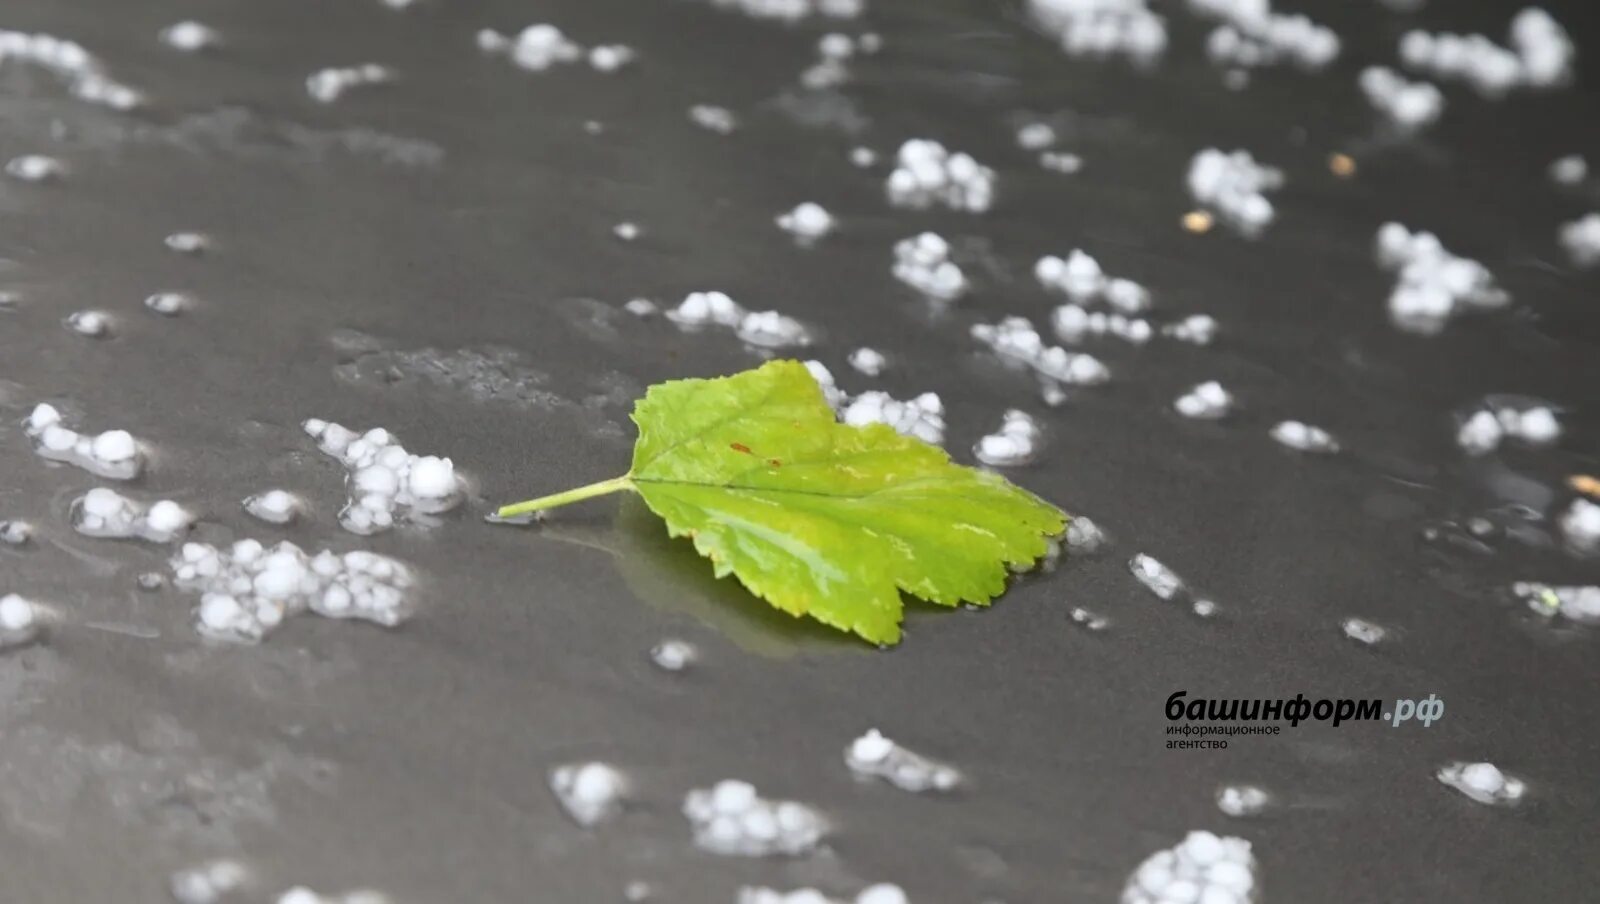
(883,893)
(1015,339)
(539,47)
(303,895)
(1015,443)
(1581,238)
(1483,431)
(874,756)
(328,85)
(19,621)
(1253,35)
(589,792)
(795,10)
(923,263)
(1167,585)
(1410,104)
(1202,868)
(731,819)
(208,883)
(1080,278)
(1432,283)
(35,168)
(926,174)
(921,417)
(1540,56)
(1103,28)
(1576,604)
(1207,402)
(247,590)
(767,329)
(1234,185)
(114,454)
(1482,782)
(386,484)
(107,514)
(84,75)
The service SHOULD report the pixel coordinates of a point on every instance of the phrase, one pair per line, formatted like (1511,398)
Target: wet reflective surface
(436,256)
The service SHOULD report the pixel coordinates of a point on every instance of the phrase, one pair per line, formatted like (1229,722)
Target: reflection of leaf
(820,518)
(669,576)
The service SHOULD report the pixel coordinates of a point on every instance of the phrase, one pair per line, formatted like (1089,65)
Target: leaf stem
(614,485)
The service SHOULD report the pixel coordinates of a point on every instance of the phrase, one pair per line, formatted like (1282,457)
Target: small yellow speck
(1197,222)
(1342,165)
(1585,484)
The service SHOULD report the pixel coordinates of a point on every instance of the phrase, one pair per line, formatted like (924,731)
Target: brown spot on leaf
(775,463)
(740,447)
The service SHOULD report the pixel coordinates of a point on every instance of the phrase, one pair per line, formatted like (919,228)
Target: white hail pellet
(83,74)
(863,157)
(1102,28)
(1196,329)
(19,621)
(835,397)
(1015,338)
(794,10)
(1541,55)
(883,893)
(713,118)
(1580,524)
(1432,283)
(707,308)
(107,514)
(806,221)
(1578,604)
(15,533)
(1581,238)
(927,174)
(923,263)
(731,819)
(673,655)
(1304,437)
(188,242)
(626,231)
(1061,162)
(1234,185)
(1240,801)
(589,792)
(610,57)
(169,304)
(1035,136)
(1207,401)
(303,895)
(1080,278)
(94,324)
(921,417)
(1089,621)
(208,883)
(1015,443)
(1203,869)
(868,361)
(328,85)
(1482,782)
(114,454)
(1084,536)
(1363,631)
(641,307)
(874,756)
(1569,170)
(190,36)
(35,168)
(536,48)
(1253,35)
(1409,104)
(1158,578)
(247,590)
(385,483)
(273,506)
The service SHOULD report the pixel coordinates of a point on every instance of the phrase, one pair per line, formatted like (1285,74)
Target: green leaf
(817,517)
